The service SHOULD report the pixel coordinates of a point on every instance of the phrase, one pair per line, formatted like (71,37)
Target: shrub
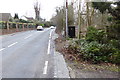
(115,43)
(95,48)
(96,52)
(114,31)
(115,58)
(94,34)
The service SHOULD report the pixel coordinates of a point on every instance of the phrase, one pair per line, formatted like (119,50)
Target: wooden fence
(12,27)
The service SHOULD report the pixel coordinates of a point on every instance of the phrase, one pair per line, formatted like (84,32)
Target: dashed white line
(12,44)
(45,68)
(55,76)
(2,49)
(27,36)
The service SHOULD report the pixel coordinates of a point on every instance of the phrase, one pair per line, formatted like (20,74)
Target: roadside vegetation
(95,48)
(99,41)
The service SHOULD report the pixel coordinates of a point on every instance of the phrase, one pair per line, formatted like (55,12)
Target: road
(28,54)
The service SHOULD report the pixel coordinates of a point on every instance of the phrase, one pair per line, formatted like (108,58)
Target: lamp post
(66,18)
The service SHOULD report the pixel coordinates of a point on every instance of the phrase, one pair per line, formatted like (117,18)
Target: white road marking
(50,33)
(2,49)
(48,51)
(27,36)
(12,44)
(45,68)
(55,76)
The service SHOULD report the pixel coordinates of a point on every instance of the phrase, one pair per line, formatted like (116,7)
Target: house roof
(29,18)
(5,16)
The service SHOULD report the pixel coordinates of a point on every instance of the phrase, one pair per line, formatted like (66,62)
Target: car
(52,27)
(39,28)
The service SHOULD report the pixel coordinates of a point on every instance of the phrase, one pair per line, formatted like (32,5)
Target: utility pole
(79,20)
(66,18)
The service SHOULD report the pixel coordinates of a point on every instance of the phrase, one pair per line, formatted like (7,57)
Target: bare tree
(37,10)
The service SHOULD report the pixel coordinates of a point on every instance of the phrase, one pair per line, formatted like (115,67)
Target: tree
(102,7)
(115,12)
(70,15)
(37,11)
(16,16)
(114,29)
(59,18)
(89,13)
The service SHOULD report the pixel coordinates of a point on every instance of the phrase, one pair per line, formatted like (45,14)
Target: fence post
(27,27)
(16,27)
(23,27)
(8,27)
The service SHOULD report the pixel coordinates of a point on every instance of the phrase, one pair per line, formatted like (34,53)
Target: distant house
(29,18)
(5,16)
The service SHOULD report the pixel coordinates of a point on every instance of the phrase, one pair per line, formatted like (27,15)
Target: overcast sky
(26,7)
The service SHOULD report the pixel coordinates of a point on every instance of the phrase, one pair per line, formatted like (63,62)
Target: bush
(95,48)
(115,58)
(115,43)
(94,34)
(114,31)
(96,52)
(73,48)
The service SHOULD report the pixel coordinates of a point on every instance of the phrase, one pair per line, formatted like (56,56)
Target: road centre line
(55,76)
(45,67)
(2,49)
(12,44)
(27,36)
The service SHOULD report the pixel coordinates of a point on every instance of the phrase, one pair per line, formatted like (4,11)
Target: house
(31,19)
(5,16)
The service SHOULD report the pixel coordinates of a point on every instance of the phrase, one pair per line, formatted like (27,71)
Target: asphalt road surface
(28,54)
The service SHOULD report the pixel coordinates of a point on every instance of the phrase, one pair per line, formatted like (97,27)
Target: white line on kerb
(12,44)
(45,68)
(2,49)
(27,36)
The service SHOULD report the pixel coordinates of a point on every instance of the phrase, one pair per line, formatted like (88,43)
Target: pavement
(31,54)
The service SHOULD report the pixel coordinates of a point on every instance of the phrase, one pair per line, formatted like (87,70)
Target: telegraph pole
(66,18)
(79,20)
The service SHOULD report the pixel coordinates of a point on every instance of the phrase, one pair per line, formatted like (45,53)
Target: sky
(26,7)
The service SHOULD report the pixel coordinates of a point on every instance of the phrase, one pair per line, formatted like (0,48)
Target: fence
(11,27)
